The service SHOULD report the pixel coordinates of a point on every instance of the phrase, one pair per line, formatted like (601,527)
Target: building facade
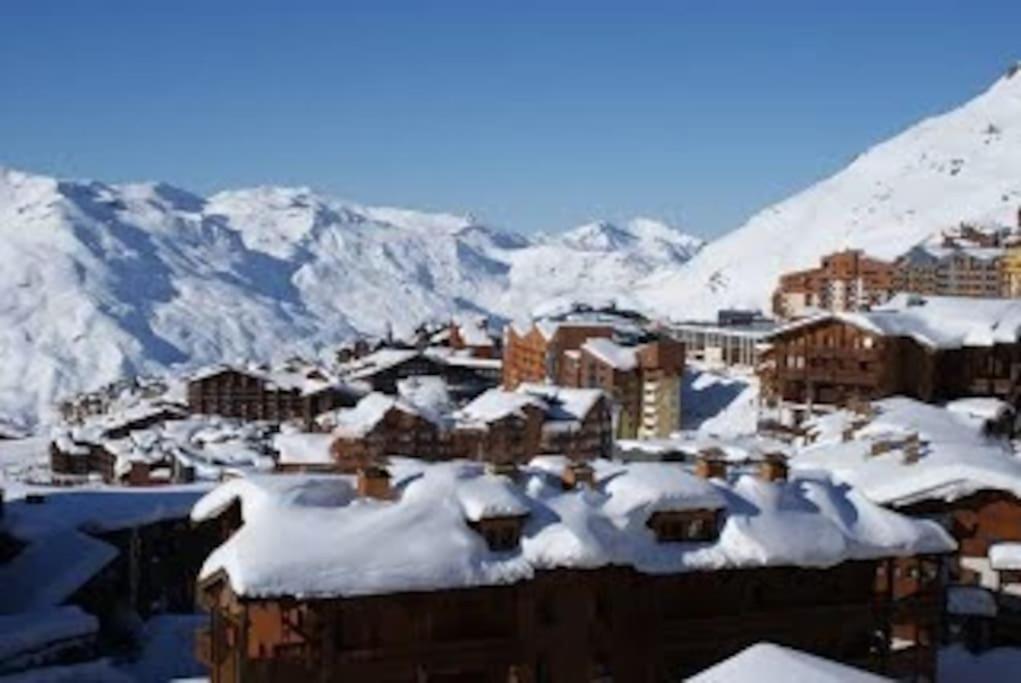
(250,395)
(915,348)
(844,281)
(562,623)
(536,354)
(644,382)
(950,271)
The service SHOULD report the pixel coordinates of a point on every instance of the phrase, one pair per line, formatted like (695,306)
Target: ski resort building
(845,281)
(466,376)
(728,342)
(930,348)
(296,393)
(499,427)
(644,382)
(535,354)
(565,571)
(950,271)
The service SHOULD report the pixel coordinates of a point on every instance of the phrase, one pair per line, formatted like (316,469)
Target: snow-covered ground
(719,402)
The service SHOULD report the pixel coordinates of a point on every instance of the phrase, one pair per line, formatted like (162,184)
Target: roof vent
(912,448)
(916,300)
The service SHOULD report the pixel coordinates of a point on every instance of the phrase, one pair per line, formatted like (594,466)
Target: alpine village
(522,501)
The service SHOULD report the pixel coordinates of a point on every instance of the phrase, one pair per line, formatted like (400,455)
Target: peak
(597,236)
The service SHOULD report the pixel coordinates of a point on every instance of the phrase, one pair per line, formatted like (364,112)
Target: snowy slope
(99,281)
(963,165)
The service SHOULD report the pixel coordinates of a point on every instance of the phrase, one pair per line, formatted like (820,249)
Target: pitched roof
(956,458)
(341,545)
(939,322)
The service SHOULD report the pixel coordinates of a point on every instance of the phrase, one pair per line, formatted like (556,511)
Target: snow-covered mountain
(99,281)
(962,165)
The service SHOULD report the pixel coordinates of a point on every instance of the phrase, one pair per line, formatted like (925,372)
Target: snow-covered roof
(956,459)
(377,361)
(565,403)
(305,378)
(207,442)
(925,254)
(549,328)
(474,330)
(982,408)
(304,448)
(339,544)
(657,487)
(1005,556)
(97,510)
(769,663)
(369,412)
(429,393)
(939,322)
(623,358)
(496,404)
(491,496)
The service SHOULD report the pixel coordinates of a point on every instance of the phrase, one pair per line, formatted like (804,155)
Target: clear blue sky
(535,116)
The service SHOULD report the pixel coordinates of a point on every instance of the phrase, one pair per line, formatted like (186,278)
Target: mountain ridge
(962,165)
(102,280)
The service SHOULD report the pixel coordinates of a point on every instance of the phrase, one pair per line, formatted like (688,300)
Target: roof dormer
(678,526)
(374,482)
(577,473)
(502,533)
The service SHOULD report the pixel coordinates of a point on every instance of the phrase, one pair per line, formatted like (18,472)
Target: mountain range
(99,281)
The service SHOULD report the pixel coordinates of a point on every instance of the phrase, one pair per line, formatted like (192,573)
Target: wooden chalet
(299,395)
(929,348)
(611,622)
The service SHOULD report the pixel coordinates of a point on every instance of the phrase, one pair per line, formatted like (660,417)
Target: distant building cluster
(969,260)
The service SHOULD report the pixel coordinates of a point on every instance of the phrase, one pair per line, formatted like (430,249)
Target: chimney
(710,463)
(374,482)
(880,447)
(577,473)
(912,449)
(774,467)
